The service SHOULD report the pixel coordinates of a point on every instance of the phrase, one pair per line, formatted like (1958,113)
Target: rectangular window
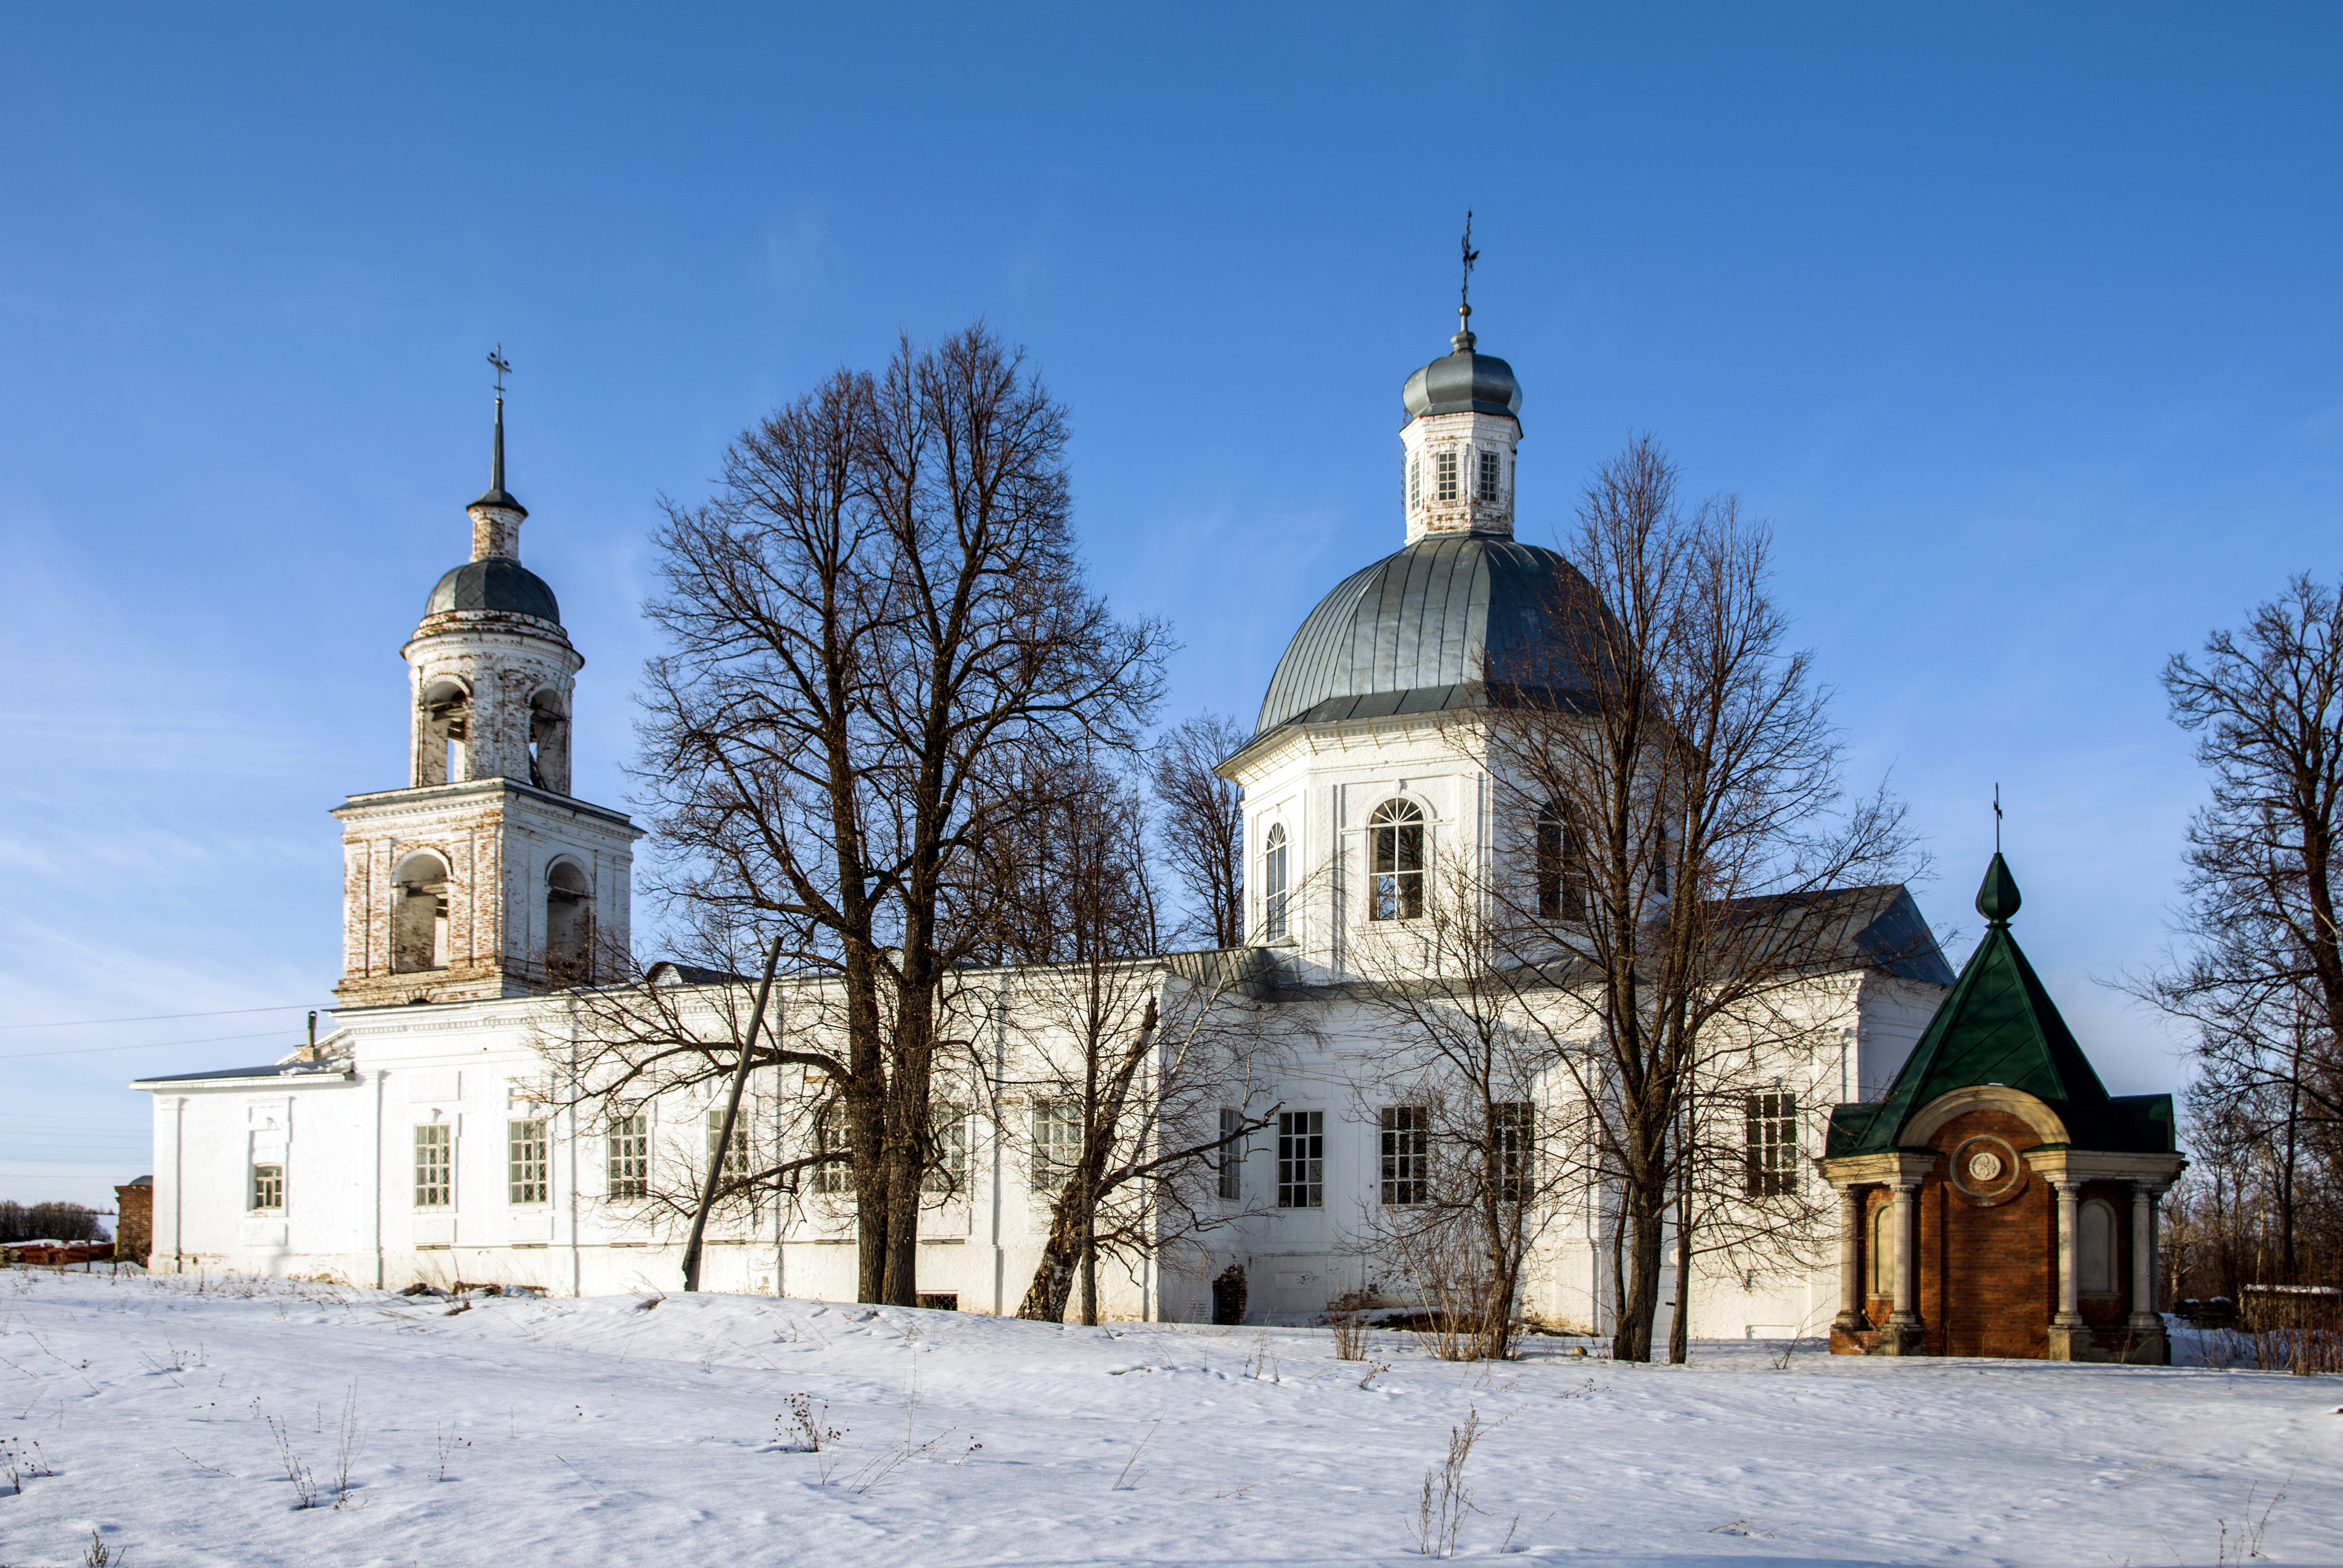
(1057,1143)
(948,1175)
(1407,1154)
(833,1178)
(1415,482)
(736,1159)
(1231,1164)
(1272,881)
(631,1157)
(1444,476)
(435,1166)
(1509,1141)
(1772,1143)
(1487,490)
(1301,1158)
(525,1161)
(268,1187)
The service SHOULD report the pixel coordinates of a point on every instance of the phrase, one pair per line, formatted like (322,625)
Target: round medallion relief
(1987,1171)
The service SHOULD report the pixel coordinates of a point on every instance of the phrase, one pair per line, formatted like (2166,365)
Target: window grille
(1488,485)
(269,1187)
(435,1166)
(1395,861)
(1057,1143)
(1509,1147)
(1415,482)
(1272,881)
(525,1161)
(1231,1161)
(1561,868)
(1444,476)
(1302,1159)
(948,1175)
(1407,1154)
(832,1178)
(1772,1143)
(736,1158)
(631,1157)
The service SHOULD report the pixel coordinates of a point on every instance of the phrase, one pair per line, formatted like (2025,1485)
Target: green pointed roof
(1999,1026)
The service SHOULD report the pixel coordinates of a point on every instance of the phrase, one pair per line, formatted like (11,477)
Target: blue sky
(2020,323)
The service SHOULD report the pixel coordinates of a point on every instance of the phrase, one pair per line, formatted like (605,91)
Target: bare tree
(1667,770)
(1202,829)
(2262,976)
(876,624)
(1474,1164)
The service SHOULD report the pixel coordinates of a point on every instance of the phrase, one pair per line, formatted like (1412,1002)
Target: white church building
(416,1141)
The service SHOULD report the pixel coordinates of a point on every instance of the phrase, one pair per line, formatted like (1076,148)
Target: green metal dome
(497,583)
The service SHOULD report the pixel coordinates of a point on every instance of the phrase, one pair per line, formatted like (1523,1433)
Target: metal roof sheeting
(1409,633)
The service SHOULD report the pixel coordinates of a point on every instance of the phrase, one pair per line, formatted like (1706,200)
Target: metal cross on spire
(1997,818)
(503,366)
(1464,294)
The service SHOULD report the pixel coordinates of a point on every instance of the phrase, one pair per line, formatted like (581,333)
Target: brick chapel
(1998,1202)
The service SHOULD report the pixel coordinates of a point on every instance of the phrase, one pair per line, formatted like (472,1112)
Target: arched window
(569,923)
(442,734)
(418,915)
(1395,861)
(1272,882)
(1560,868)
(1882,1250)
(549,743)
(2095,1248)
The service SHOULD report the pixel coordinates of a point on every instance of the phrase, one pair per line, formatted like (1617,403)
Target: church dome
(1462,383)
(1408,634)
(496,583)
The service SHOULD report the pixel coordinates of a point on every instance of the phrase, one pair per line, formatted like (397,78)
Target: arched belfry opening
(443,734)
(549,743)
(568,923)
(418,915)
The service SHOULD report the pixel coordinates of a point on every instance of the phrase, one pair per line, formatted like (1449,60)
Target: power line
(156,1045)
(159,1017)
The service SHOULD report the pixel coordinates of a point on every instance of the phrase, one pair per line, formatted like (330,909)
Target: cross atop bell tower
(484,877)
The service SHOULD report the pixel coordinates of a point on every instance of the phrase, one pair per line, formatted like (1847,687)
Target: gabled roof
(2000,1027)
(1876,927)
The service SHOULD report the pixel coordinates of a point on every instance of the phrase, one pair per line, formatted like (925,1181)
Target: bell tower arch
(484,877)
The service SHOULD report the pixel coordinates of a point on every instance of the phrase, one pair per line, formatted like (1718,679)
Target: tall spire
(496,496)
(1463,338)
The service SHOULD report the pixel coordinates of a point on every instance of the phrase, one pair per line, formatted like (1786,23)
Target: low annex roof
(330,1068)
(2000,1027)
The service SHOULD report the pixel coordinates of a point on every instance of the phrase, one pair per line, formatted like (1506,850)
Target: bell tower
(484,877)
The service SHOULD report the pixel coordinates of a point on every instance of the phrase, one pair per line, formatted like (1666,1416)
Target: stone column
(1902,1328)
(1850,1261)
(2146,1325)
(2069,1314)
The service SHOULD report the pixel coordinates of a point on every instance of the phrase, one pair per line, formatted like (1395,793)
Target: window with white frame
(948,1176)
(1230,1160)
(1395,861)
(736,1158)
(1443,477)
(525,1161)
(1057,1143)
(831,1178)
(1273,883)
(1301,1158)
(1487,488)
(268,1189)
(1560,868)
(1512,1148)
(1406,1139)
(1770,1143)
(630,1157)
(435,1165)
(1415,482)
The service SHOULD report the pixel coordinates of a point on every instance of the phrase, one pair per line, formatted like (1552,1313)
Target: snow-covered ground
(630,1430)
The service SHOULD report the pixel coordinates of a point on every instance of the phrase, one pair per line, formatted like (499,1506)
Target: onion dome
(1416,632)
(497,583)
(1465,382)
